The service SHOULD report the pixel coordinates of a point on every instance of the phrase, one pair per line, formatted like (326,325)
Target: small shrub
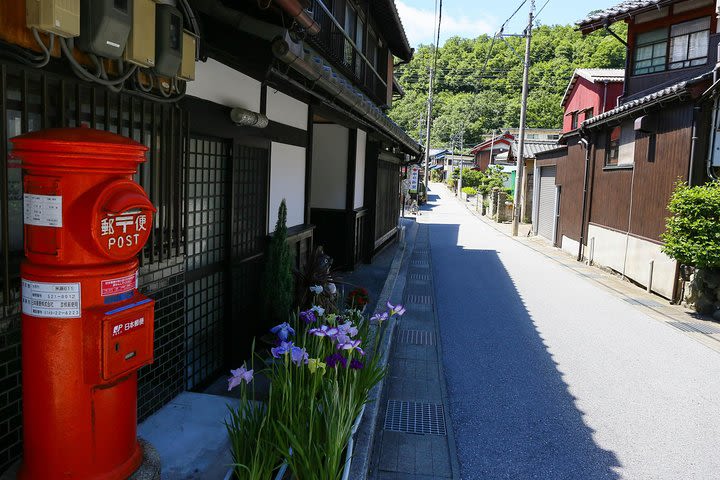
(278,284)
(692,235)
(451,183)
(469,191)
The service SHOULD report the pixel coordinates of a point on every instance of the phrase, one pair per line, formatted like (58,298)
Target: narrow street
(551,377)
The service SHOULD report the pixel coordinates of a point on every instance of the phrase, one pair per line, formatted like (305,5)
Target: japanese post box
(86,329)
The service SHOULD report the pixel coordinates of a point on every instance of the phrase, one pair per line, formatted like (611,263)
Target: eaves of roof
(676,92)
(598,75)
(618,12)
(387,16)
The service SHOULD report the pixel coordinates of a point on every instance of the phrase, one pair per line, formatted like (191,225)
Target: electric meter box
(105,26)
(140,48)
(187,67)
(168,40)
(61,17)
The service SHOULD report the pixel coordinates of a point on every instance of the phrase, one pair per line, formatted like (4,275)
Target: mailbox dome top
(76,140)
(78,150)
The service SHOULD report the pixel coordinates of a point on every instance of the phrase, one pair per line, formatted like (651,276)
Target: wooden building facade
(215,179)
(619,168)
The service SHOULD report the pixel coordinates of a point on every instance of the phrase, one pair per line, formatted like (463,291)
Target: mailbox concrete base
(150,468)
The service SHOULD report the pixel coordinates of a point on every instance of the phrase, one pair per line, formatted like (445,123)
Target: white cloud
(419,25)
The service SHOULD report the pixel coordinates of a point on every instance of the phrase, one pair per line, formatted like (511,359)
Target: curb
(394,286)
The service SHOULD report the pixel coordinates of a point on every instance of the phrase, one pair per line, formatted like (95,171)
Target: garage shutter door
(546,203)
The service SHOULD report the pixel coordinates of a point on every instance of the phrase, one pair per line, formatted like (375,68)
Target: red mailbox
(86,330)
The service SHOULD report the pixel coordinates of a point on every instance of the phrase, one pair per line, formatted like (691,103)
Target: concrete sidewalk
(413,437)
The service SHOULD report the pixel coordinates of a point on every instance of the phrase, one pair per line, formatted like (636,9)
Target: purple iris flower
(298,355)
(351,345)
(324,331)
(379,318)
(308,317)
(333,360)
(239,375)
(356,364)
(398,309)
(283,331)
(284,348)
(348,329)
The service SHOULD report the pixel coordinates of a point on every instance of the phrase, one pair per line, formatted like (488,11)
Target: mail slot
(86,329)
(127,339)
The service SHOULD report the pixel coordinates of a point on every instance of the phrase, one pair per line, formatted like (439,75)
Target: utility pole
(426,179)
(519,198)
(462,162)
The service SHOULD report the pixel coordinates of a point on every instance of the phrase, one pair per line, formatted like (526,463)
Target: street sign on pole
(414,176)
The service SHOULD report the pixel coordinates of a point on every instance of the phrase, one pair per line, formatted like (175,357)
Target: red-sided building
(591,91)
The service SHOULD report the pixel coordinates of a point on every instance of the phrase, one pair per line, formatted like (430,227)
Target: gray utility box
(168,40)
(105,26)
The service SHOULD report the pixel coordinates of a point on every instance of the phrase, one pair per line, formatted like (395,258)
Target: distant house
(610,183)
(504,149)
(591,91)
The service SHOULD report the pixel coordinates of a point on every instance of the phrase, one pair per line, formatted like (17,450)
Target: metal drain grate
(420,277)
(696,327)
(420,263)
(642,301)
(420,251)
(414,417)
(419,299)
(416,337)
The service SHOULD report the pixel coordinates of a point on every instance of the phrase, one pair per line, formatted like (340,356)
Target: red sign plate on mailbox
(116,286)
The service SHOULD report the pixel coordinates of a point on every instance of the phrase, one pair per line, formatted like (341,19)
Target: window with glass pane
(689,43)
(612,148)
(360,44)
(651,51)
(350,29)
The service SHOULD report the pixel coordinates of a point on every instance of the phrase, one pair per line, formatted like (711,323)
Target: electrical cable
(83,73)
(138,83)
(537,15)
(46,50)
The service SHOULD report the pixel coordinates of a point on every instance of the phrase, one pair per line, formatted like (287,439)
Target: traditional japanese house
(615,178)
(255,102)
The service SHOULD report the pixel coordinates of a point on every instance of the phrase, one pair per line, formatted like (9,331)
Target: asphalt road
(550,377)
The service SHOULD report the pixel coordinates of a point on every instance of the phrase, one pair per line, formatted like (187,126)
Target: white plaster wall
(360,169)
(609,251)
(640,252)
(329,166)
(283,108)
(287,180)
(221,84)
(569,245)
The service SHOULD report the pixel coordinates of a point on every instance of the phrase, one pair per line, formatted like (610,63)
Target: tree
(480,101)
(278,285)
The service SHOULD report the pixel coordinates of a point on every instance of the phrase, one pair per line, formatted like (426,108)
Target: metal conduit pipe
(295,10)
(339,89)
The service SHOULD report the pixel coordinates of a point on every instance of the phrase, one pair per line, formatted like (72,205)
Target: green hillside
(482,102)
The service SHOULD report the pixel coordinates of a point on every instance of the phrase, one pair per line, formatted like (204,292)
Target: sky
(470,18)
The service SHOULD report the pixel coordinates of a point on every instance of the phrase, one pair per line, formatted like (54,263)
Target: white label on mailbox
(42,210)
(51,300)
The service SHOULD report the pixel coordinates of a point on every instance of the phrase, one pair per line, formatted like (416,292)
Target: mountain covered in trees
(478,81)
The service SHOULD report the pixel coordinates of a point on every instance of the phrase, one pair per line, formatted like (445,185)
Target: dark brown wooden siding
(571,178)
(609,204)
(655,181)
(649,183)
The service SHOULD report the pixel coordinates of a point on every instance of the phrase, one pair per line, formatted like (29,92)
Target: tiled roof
(673,91)
(619,11)
(388,18)
(610,75)
(534,147)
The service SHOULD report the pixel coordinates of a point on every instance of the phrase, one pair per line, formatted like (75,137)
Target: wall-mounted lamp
(247,118)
